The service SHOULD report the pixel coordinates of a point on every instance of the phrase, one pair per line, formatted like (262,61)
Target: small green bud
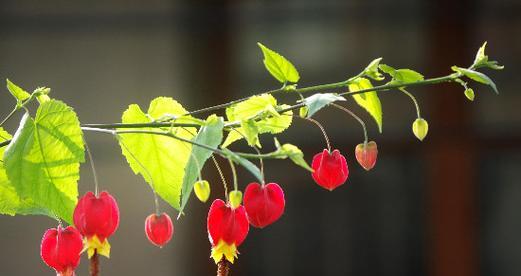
(469,93)
(420,127)
(202,190)
(303,112)
(235,198)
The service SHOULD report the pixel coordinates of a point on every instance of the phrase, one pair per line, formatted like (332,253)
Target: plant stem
(140,125)
(94,264)
(354,116)
(9,116)
(223,267)
(323,132)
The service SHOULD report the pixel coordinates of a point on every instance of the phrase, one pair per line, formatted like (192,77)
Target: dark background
(447,206)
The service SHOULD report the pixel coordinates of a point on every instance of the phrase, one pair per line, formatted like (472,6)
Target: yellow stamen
(229,251)
(94,245)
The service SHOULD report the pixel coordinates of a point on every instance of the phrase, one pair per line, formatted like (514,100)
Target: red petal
(227,224)
(97,216)
(159,229)
(264,204)
(330,170)
(61,248)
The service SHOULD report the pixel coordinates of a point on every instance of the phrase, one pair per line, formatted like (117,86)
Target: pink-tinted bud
(159,229)
(366,154)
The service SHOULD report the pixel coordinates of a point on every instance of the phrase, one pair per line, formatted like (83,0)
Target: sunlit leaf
(278,66)
(294,154)
(211,135)
(372,70)
(477,76)
(369,101)
(17,92)
(42,161)
(164,158)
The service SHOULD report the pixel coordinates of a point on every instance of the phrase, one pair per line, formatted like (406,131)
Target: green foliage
(318,101)
(293,152)
(469,93)
(372,70)
(17,92)
(243,162)
(369,101)
(211,135)
(477,76)
(401,75)
(43,160)
(278,66)
(160,160)
(259,114)
(481,60)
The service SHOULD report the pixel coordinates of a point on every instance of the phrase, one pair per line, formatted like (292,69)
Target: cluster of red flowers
(96,218)
(228,223)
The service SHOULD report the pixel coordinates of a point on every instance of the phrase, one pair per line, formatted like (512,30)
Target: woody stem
(94,264)
(223,267)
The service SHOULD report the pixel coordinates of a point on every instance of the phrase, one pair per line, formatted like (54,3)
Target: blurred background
(447,206)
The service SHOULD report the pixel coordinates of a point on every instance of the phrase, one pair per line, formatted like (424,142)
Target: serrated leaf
(17,92)
(278,66)
(401,75)
(294,153)
(164,158)
(319,101)
(251,132)
(369,101)
(211,135)
(477,76)
(42,161)
(481,60)
(263,107)
(372,70)
(254,170)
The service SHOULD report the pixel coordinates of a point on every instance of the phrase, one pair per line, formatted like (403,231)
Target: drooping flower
(97,218)
(227,229)
(264,203)
(330,169)
(61,249)
(159,229)
(366,154)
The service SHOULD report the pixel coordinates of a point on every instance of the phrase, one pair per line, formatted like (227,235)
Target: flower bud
(366,154)
(159,229)
(235,198)
(227,229)
(329,169)
(469,93)
(420,127)
(264,203)
(202,190)
(61,248)
(97,218)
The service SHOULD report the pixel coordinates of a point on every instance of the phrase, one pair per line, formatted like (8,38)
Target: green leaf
(244,162)
(481,60)
(211,135)
(401,75)
(251,132)
(162,159)
(477,76)
(17,92)
(43,160)
(319,101)
(263,107)
(369,101)
(372,70)
(278,66)
(294,153)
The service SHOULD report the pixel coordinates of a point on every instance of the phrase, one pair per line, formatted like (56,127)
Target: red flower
(264,203)
(366,154)
(159,229)
(330,169)
(97,218)
(227,229)
(61,249)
